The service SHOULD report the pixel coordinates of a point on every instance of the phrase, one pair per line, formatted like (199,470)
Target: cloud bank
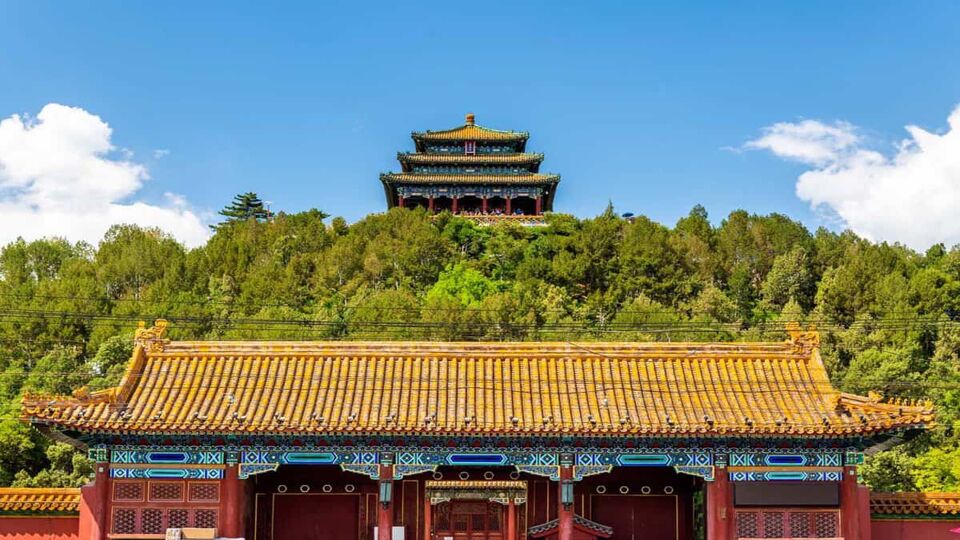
(911,196)
(60,176)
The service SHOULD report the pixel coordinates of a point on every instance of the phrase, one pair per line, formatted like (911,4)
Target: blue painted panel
(776,475)
(312,458)
(644,460)
(168,457)
(786,460)
(477,459)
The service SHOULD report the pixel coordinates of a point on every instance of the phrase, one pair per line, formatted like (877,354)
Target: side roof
(34,501)
(430,388)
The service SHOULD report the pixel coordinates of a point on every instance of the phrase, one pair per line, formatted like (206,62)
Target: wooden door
(469,520)
(310,516)
(637,517)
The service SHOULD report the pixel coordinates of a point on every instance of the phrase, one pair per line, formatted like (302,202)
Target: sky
(838,114)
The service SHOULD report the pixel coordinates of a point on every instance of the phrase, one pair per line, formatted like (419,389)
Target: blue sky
(648,105)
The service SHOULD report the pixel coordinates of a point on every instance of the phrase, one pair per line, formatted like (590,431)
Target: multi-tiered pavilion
(475,441)
(472,171)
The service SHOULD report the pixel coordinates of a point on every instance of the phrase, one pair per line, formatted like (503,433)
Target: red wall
(911,530)
(39,528)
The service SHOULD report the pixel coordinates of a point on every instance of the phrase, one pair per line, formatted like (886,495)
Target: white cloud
(160,153)
(59,177)
(911,196)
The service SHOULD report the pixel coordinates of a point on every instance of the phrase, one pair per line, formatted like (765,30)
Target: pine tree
(244,206)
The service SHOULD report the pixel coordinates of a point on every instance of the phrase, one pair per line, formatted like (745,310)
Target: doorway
(469,520)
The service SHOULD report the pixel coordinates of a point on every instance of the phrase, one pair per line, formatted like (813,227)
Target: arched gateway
(474,441)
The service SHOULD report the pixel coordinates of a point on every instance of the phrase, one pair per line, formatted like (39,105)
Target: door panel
(637,517)
(315,517)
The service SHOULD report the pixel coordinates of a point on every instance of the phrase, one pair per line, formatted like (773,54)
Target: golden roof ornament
(803,341)
(151,339)
(471,119)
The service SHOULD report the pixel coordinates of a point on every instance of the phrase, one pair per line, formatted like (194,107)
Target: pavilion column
(564,511)
(385,510)
(512,520)
(427,517)
(720,514)
(483,205)
(234,504)
(508,209)
(400,201)
(539,205)
(430,203)
(456,204)
(850,494)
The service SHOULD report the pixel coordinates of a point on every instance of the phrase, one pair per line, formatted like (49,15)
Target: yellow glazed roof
(39,500)
(915,503)
(637,389)
(476,159)
(423,178)
(470,131)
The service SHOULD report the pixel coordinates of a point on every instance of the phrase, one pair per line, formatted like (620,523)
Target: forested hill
(887,314)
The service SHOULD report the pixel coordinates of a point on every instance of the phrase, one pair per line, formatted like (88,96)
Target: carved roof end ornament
(803,341)
(152,339)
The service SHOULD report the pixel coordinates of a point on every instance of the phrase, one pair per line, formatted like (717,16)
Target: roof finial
(152,339)
(471,119)
(803,341)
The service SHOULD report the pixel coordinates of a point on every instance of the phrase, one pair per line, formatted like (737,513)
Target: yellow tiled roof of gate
(39,500)
(637,389)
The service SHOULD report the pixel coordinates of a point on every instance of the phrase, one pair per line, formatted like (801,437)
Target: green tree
(245,206)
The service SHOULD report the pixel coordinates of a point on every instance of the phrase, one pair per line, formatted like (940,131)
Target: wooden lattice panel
(128,491)
(166,491)
(787,523)
(205,519)
(124,520)
(178,518)
(205,492)
(151,521)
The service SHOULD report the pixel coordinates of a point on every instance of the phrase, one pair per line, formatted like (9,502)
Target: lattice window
(748,524)
(178,519)
(799,525)
(773,524)
(151,521)
(128,491)
(204,492)
(826,524)
(124,520)
(205,519)
(166,491)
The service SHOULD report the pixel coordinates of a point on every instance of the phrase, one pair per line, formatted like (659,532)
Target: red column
(456,204)
(565,514)
(400,202)
(508,206)
(720,516)
(427,517)
(483,205)
(850,505)
(95,505)
(234,507)
(385,512)
(539,205)
(512,520)
(430,203)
